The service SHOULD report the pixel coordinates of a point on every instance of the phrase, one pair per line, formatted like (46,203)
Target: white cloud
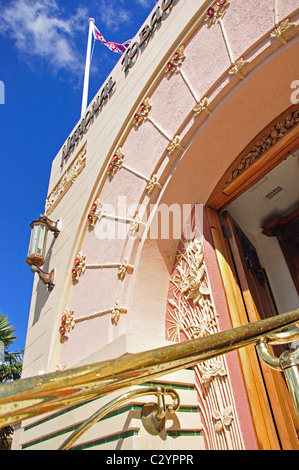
(40,31)
(146,3)
(113,15)
(46,35)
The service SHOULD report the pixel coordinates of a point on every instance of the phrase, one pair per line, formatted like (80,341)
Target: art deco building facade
(178,197)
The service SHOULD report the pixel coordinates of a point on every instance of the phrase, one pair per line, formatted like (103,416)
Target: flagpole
(87,67)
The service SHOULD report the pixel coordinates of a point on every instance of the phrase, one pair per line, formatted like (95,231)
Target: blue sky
(42,60)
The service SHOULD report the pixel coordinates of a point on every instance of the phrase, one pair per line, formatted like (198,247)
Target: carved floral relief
(192,314)
(271,137)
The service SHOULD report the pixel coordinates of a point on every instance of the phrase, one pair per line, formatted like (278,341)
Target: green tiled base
(125,434)
(115,437)
(105,440)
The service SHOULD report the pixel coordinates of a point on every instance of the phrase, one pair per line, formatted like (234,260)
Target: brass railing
(152,415)
(37,395)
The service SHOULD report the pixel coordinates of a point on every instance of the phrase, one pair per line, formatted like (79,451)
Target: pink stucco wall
(240,109)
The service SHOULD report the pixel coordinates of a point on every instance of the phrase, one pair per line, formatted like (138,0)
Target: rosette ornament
(216,11)
(116,162)
(78,267)
(67,323)
(142,112)
(175,62)
(95,213)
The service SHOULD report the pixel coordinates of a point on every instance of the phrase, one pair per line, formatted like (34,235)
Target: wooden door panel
(259,304)
(263,422)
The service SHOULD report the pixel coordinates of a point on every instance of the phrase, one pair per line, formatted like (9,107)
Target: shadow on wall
(42,292)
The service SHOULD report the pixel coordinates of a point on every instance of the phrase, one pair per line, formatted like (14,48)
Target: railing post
(288,362)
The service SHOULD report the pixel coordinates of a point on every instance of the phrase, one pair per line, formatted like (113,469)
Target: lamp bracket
(52,226)
(46,278)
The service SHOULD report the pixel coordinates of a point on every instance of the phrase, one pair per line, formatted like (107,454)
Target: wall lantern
(37,247)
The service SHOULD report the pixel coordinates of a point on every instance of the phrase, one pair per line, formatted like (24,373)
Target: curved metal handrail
(288,362)
(159,391)
(281,337)
(35,396)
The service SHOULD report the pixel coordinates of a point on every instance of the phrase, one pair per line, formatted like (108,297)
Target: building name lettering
(87,120)
(160,14)
(129,58)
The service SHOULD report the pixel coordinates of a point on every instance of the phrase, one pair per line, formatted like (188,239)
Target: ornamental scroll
(261,147)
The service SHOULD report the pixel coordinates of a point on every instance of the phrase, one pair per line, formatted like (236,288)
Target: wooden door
(259,303)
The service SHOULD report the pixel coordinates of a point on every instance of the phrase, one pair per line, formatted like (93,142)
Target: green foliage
(10,369)
(5,435)
(6,331)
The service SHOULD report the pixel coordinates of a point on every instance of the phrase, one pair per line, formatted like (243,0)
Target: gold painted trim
(280,29)
(237,66)
(66,181)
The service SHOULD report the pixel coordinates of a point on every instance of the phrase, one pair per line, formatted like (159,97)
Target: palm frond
(6,331)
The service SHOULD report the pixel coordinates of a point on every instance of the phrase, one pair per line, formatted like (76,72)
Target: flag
(113,46)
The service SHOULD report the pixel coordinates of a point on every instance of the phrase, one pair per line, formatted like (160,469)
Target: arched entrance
(259,187)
